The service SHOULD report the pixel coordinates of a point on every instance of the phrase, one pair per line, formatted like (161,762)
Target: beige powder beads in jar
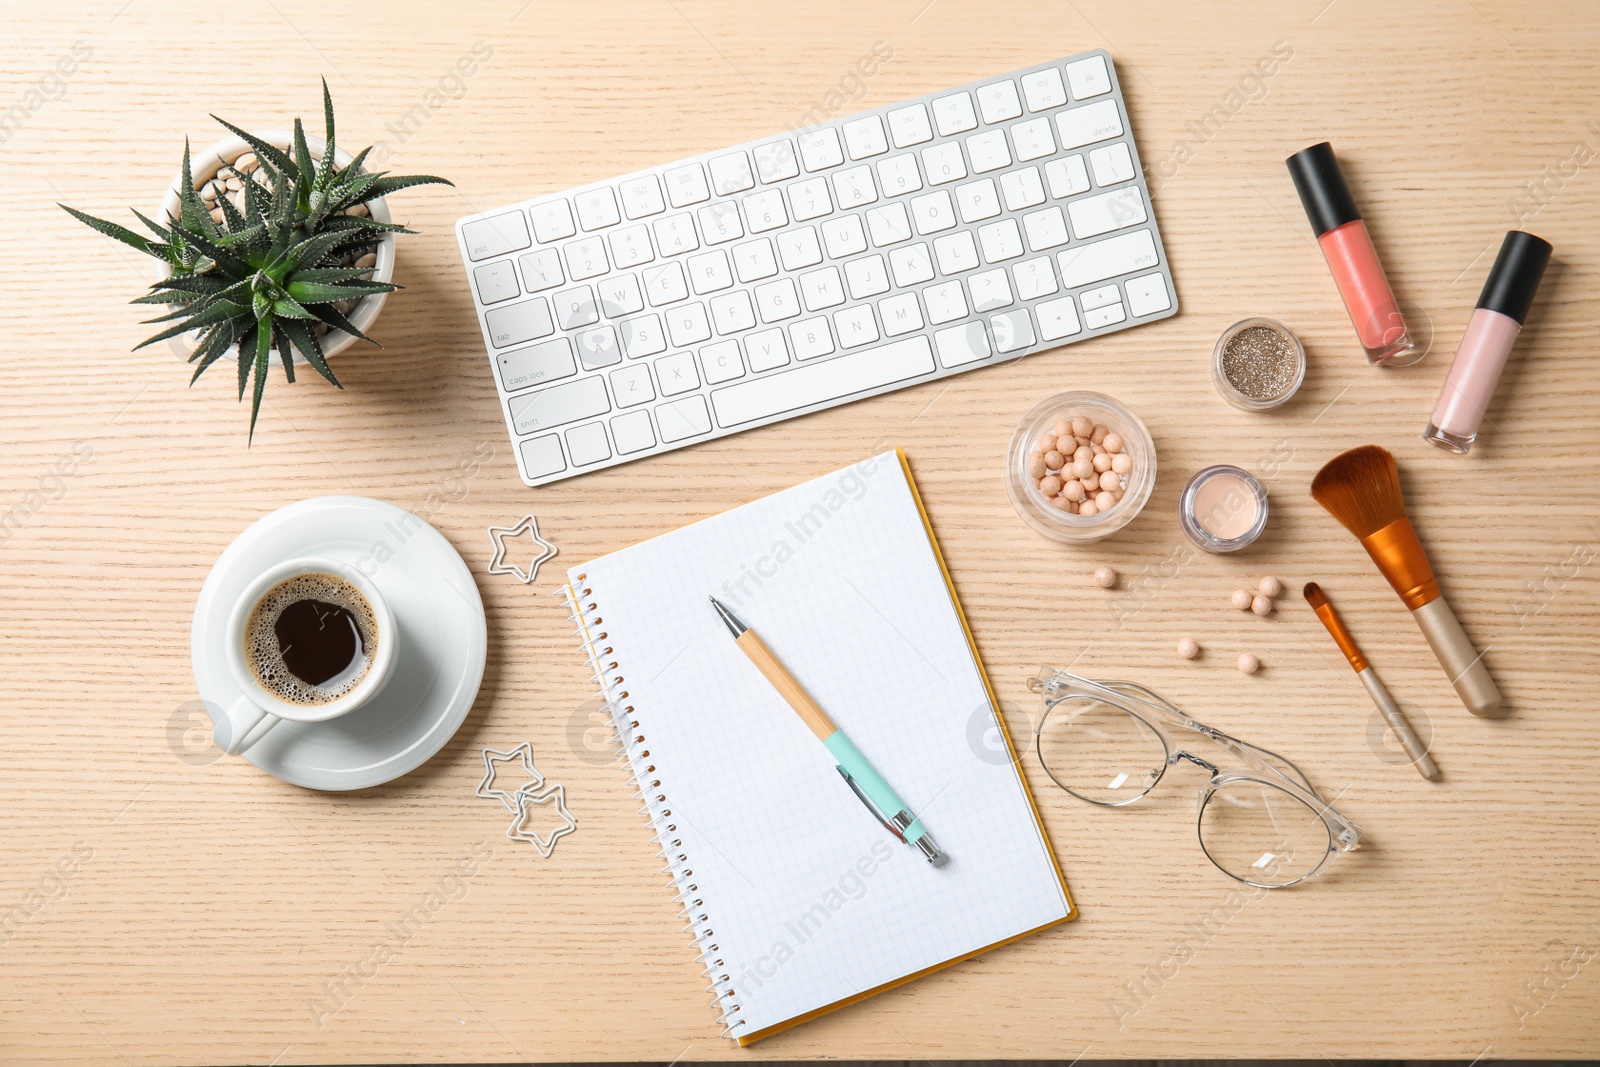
(1081,466)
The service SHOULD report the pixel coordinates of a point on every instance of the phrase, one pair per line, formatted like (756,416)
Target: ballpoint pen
(866,783)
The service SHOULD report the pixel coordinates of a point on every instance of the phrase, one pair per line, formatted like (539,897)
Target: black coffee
(310,639)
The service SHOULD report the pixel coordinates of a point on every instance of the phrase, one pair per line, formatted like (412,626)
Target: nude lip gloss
(1502,307)
(1350,255)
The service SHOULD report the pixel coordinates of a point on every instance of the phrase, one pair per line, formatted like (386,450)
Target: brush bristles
(1315,596)
(1361,488)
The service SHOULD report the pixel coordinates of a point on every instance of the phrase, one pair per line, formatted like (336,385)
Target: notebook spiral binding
(633,756)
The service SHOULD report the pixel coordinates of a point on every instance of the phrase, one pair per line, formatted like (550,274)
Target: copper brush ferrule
(1399,554)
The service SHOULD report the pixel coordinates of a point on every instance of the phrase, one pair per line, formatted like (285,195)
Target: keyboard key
(962,344)
(632,431)
(754,260)
(541,457)
(720,223)
(630,246)
(1085,125)
(855,326)
(709,271)
(766,350)
(933,212)
(557,404)
(945,302)
(1088,77)
(682,419)
(1000,240)
(1045,229)
(676,374)
(598,348)
(988,151)
(943,163)
(867,276)
(809,199)
(641,197)
(496,282)
(1034,278)
(512,324)
(898,175)
(844,236)
(642,335)
(1011,330)
(687,185)
(631,386)
(955,252)
(799,248)
(1057,318)
(809,338)
(764,211)
(586,259)
(575,307)
(675,235)
(1106,316)
(597,209)
(900,314)
(865,137)
(732,313)
(889,224)
(820,149)
(990,290)
(854,188)
(688,324)
(1112,164)
(546,361)
(777,161)
(732,174)
(977,200)
(777,300)
(1043,89)
(541,270)
(1148,295)
(1067,177)
(855,372)
(1022,188)
(552,221)
(664,284)
(911,265)
(496,235)
(822,289)
(1095,215)
(954,114)
(998,102)
(587,444)
(720,362)
(909,126)
(1099,298)
(1032,139)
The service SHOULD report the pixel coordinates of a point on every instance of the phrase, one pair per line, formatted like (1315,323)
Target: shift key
(582,399)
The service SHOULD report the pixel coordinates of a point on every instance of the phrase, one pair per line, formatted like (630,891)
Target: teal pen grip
(872,783)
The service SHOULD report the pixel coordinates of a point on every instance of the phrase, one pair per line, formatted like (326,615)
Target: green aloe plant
(272,270)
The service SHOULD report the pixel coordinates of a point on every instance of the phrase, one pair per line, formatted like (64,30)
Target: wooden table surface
(205,904)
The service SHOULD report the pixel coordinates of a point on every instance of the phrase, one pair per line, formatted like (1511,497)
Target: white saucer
(439,664)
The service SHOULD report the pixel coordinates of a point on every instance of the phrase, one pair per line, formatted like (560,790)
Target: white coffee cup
(257,710)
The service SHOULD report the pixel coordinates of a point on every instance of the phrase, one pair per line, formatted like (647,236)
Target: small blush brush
(1361,488)
(1415,749)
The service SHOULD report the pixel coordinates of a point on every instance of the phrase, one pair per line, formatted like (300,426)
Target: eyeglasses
(1109,743)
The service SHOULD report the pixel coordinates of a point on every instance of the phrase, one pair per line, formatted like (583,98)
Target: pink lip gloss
(1502,307)
(1350,255)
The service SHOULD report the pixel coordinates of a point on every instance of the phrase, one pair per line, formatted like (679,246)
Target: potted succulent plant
(275,250)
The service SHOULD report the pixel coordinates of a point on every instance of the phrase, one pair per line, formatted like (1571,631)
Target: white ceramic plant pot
(205,164)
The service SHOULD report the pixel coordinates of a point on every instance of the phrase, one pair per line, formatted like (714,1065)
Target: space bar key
(830,380)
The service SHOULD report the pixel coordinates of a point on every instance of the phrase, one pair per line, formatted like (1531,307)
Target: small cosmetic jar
(1258,364)
(1223,508)
(1077,489)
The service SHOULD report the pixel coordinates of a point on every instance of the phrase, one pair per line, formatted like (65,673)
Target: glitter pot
(1258,364)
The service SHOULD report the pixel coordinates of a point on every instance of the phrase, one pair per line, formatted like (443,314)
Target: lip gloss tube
(1485,347)
(1354,262)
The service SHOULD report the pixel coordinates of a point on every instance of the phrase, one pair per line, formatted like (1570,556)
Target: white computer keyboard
(800,271)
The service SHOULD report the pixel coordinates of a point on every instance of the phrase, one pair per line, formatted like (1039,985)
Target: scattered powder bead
(1248,663)
(1261,605)
(1242,599)
(1105,577)
(1269,586)
(1188,648)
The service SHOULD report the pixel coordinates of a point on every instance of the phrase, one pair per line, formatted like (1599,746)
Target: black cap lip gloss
(1323,192)
(1486,346)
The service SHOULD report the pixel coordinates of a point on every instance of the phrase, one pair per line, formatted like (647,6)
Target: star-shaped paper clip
(527,800)
(491,756)
(501,534)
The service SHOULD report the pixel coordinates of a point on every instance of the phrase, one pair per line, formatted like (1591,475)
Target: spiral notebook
(798,901)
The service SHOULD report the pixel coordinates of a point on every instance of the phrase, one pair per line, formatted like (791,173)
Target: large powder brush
(1361,488)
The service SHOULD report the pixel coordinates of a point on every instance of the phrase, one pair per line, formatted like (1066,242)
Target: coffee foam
(261,638)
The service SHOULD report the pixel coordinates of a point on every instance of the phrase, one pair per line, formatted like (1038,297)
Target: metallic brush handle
(1455,654)
(1415,749)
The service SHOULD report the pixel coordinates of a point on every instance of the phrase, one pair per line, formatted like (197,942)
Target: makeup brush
(1392,714)
(1361,488)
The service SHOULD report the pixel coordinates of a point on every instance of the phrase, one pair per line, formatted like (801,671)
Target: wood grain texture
(209,904)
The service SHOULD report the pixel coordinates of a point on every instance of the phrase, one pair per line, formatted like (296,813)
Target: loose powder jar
(1258,364)
(1223,508)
